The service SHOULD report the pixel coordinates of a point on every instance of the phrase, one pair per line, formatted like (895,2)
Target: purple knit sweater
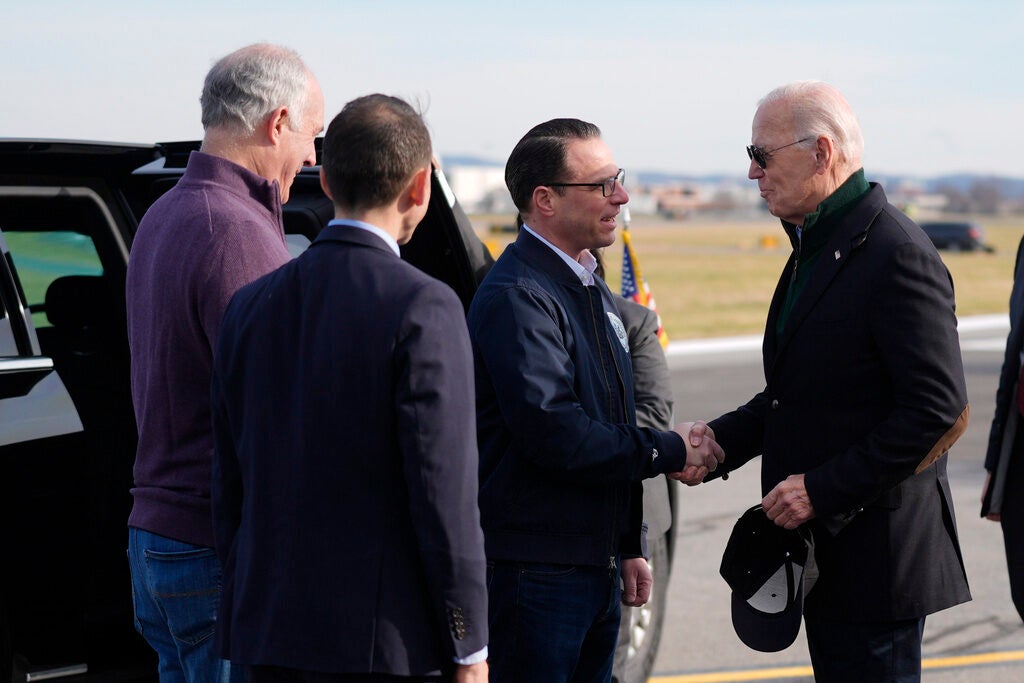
(219,228)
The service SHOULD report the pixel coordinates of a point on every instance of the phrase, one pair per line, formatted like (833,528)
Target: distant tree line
(982,196)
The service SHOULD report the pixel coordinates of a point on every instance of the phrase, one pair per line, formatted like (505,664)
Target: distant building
(684,199)
(911,197)
(480,187)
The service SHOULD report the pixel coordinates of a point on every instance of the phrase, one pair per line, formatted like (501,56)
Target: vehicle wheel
(640,628)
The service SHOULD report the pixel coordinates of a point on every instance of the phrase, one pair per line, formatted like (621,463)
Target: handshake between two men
(788,504)
(703,454)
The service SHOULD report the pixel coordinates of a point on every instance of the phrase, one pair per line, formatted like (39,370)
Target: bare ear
(276,123)
(544,199)
(824,155)
(419,187)
(323,184)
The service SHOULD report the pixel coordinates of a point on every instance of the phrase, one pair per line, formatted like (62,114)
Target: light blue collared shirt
(584,268)
(480,655)
(388,239)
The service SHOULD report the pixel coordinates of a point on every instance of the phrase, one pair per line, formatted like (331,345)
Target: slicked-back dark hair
(540,157)
(371,150)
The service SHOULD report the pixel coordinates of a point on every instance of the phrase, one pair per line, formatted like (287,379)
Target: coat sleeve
(226,483)
(913,328)
(652,381)
(518,335)
(436,427)
(740,433)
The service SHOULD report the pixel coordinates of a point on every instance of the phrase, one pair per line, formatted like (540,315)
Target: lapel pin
(837,254)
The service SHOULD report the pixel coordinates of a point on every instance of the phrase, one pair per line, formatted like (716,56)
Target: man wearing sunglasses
(561,458)
(864,394)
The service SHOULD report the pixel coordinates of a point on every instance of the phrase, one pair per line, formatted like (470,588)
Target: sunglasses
(607,185)
(761,156)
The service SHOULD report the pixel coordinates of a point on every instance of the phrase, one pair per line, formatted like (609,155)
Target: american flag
(633,284)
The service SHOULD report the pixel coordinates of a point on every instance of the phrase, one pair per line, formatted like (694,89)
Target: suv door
(66,446)
(36,411)
(33,400)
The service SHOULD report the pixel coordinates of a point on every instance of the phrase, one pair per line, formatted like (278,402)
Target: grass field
(713,277)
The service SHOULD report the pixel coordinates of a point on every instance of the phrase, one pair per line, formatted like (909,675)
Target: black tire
(640,628)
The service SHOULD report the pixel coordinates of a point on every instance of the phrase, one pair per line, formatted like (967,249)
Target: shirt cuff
(475,658)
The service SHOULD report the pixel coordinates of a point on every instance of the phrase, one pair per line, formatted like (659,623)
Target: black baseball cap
(769,569)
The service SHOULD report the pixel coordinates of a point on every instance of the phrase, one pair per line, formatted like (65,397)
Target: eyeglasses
(607,185)
(761,156)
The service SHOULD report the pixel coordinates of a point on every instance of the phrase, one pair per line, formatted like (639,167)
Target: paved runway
(980,641)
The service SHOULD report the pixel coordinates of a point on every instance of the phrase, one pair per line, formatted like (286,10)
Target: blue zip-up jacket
(561,459)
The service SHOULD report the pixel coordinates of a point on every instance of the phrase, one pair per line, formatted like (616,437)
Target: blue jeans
(176,588)
(885,652)
(552,623)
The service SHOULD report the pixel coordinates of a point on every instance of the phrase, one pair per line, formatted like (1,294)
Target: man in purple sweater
(219,228)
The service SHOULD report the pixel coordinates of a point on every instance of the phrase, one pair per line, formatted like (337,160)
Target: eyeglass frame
(760,156)
(607,185)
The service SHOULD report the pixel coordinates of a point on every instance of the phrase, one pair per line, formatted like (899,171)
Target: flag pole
(633,285)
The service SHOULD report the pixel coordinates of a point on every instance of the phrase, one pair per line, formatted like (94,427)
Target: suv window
(42,257)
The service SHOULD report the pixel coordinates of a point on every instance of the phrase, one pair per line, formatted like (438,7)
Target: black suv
(956,235)
(68,213)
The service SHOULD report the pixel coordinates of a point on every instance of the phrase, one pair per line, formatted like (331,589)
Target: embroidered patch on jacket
(620,331)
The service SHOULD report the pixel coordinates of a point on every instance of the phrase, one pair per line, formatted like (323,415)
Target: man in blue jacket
(561,460)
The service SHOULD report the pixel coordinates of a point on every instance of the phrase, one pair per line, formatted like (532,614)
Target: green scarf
(815,234)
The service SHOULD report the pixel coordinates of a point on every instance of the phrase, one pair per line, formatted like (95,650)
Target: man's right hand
(702,452)
(470,673)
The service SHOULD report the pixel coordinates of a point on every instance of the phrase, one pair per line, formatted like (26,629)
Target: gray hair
(819,109)
(243,88)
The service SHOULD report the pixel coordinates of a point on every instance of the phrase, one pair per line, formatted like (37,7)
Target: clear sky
(938,86)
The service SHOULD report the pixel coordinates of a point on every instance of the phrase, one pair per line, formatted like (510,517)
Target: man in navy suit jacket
(345,473)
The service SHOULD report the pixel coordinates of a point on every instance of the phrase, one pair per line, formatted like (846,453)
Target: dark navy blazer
(345,477)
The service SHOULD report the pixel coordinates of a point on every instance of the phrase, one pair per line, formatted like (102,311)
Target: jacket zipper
(600,341)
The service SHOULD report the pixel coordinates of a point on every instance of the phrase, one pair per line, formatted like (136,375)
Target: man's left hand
(788,504)
(636,582)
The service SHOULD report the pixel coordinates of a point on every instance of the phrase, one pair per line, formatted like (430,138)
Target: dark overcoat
(864,395)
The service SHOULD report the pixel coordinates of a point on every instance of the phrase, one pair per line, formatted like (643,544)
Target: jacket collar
(210,168)
(540,254)
(349,235)
(818,224)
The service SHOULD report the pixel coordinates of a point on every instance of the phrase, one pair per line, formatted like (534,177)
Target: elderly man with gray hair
(864,395)
(219,228)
